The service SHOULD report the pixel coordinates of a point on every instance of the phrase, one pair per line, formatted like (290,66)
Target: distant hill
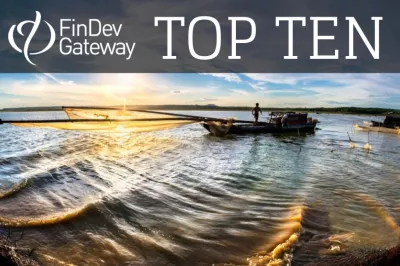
(213,107)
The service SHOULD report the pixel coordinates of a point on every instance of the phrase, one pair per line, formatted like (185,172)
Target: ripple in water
(183,197)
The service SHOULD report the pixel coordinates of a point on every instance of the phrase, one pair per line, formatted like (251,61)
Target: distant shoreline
(324,110)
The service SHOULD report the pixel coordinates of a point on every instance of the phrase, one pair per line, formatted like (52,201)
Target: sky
(224,89)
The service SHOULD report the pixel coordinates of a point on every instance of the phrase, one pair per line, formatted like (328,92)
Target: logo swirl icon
(35,27)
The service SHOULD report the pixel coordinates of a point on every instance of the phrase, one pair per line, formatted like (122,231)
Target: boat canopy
(392,120)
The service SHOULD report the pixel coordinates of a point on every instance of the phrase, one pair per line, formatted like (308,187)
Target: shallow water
(183,197)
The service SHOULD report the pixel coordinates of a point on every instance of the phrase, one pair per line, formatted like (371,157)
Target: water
(183,197)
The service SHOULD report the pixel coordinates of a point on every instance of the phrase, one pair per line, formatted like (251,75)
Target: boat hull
(268,128)
(379,129)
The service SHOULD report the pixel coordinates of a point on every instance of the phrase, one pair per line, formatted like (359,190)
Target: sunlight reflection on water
(183,197)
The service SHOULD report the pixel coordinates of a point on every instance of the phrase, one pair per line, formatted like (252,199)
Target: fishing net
(108,126)
(218,128)
(80,113)
(107,121)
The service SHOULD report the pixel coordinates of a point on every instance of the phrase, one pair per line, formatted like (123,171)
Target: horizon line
(210,106)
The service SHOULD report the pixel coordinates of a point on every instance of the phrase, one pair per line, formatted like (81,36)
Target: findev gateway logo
(94,28)
(35,27)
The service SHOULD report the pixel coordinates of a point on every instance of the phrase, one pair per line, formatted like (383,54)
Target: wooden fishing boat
(268,128)
(369,127)
(135,120)
(391,124)
(278,123)
(391,121)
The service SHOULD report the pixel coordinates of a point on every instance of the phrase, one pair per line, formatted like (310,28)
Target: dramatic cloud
(274,90)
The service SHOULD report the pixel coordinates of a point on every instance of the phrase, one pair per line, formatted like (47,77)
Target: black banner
(158,36)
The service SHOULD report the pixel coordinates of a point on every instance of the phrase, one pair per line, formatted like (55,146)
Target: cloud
(203,100)
(322,89)
(208,99)
(231,77)
(274,90)
(291,79)
(18,90)
(240,92)
(259,86)
(59,81)
(337,103)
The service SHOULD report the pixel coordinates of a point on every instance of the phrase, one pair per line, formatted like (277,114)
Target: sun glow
(120,128)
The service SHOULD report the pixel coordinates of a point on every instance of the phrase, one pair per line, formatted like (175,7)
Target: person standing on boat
(284,120)
(256,113)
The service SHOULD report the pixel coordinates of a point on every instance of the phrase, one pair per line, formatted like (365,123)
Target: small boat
(278,123)
(391,124)
(391,121)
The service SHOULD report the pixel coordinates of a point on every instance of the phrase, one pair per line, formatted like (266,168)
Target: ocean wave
(44,220)
(378,208)
(14,189)
(279,250)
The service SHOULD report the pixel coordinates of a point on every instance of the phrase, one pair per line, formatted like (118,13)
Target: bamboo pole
(116,120)
(201,118)
(179,117)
